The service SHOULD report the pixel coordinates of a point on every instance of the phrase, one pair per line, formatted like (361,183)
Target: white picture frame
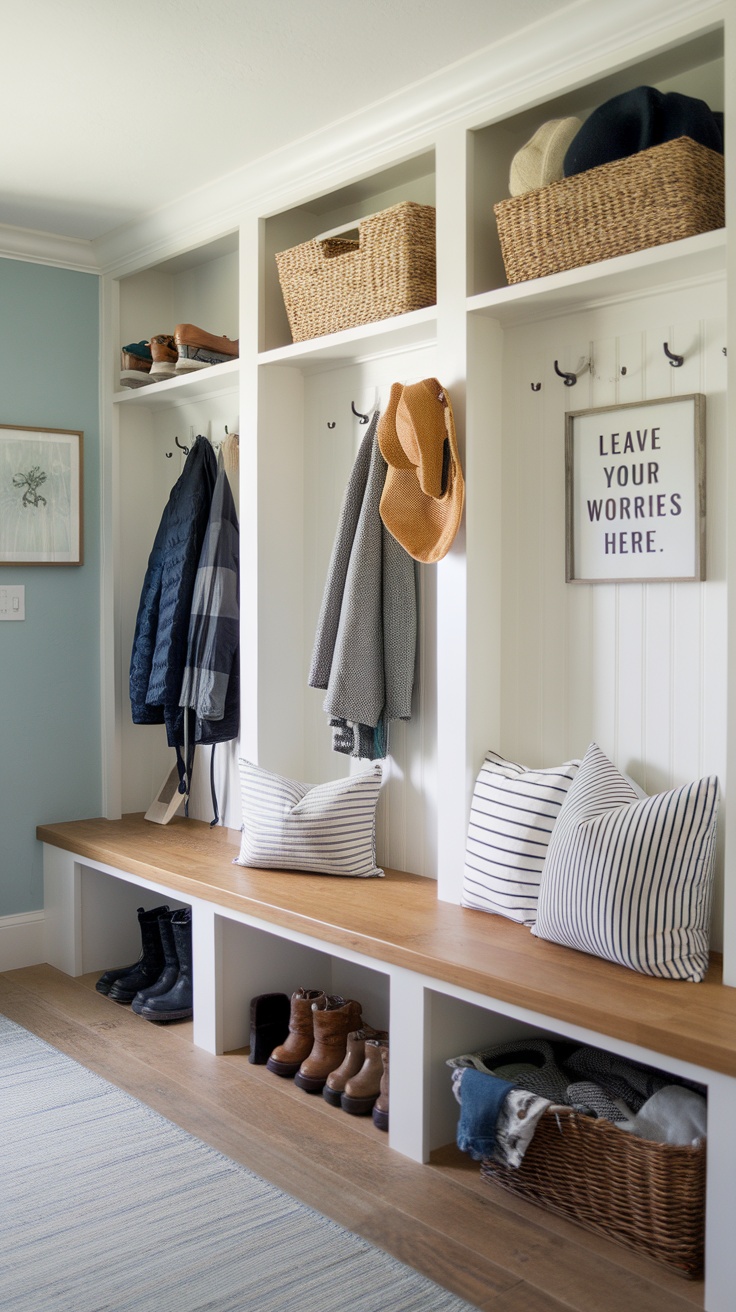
(635,492)
(40,496)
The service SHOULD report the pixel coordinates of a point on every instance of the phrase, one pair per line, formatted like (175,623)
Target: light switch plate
(12,601)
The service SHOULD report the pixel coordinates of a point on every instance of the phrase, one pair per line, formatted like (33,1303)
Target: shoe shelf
(184,390)
(692,260)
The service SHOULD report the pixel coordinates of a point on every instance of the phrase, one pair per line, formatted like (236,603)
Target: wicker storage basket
(332,283)
(658,195)
(648,1196)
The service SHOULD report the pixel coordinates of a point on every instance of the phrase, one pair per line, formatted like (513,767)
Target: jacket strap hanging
(213,791)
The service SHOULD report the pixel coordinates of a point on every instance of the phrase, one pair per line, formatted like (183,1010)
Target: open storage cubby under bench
(399,921)
(449,977)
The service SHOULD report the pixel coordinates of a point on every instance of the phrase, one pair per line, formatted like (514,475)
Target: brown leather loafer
(163,356)
(198,349)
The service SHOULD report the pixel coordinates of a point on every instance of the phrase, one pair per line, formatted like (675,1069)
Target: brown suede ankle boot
(362,1089)
(331,1028)
(288,1056)
(380,1106)
(354,1058)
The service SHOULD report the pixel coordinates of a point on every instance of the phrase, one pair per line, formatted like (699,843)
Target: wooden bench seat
(399,921)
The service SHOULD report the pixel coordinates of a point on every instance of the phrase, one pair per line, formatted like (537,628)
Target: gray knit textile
(365,645)
(529,1064)
(618,1077)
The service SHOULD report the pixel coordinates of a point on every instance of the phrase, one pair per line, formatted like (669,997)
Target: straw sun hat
(422,501)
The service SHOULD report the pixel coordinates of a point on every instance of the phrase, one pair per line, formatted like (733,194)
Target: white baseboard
(22,940)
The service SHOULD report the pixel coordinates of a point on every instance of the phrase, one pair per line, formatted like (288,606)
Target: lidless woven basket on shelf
(648,1196)
(333,283)
(658,195)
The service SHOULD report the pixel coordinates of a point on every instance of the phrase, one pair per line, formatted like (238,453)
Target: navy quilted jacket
(160,642)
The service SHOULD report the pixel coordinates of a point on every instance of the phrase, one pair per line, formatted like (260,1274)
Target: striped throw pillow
(628,879)
(329,829)
(511,819)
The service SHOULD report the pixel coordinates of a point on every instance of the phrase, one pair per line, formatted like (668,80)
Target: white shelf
(183,390)
(403,332)
(693,259)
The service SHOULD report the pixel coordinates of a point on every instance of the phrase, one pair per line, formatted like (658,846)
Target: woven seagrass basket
(658,195)
(648,1196)
(331,283)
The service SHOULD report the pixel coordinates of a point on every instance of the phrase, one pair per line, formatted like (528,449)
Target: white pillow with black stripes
(327,829)
(512,816)
(630,879)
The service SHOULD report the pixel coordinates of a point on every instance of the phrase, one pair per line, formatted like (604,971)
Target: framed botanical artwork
(40,496)
(635,492)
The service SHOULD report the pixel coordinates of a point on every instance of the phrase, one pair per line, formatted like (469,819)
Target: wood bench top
(400,921)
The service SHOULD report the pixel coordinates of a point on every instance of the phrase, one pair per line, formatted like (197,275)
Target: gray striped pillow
(329,829)
(511,818)
(628,879)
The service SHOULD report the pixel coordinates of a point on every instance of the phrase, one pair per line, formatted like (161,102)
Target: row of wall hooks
(186,449)
(364,419)
(570,379)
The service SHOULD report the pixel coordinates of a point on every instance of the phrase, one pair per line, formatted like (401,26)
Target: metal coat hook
(569,379)
(330,425)
(675,360)
(623,370)
(364,419)
(536,387)
(181,446)
(169,455)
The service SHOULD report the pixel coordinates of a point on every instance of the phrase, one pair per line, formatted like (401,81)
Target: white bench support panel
(62,879)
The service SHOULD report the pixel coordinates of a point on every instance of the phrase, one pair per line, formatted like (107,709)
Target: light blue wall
(49,664)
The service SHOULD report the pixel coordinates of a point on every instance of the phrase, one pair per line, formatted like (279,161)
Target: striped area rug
(105,1206)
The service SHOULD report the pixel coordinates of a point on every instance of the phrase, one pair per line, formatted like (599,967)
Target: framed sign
(635,492)
(40,496)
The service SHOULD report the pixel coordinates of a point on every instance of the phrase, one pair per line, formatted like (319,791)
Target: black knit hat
(638,119)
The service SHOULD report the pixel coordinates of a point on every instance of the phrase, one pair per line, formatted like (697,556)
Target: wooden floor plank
(435,1218)
(462,1169)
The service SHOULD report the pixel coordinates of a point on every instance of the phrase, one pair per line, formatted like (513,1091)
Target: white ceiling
(113,110)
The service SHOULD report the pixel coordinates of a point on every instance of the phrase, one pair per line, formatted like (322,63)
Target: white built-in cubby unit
(150,426)
(510,656)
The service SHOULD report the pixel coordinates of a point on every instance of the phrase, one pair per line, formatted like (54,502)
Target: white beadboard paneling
(639,668)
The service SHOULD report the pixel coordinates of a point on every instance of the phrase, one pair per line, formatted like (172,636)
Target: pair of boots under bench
(158,986)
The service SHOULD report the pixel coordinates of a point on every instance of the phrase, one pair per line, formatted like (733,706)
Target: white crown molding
(474,90)
(47,248)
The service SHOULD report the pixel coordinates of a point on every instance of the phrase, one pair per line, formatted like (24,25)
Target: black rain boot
(170,972)
(106,981)
(177,1003)
(150,963)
